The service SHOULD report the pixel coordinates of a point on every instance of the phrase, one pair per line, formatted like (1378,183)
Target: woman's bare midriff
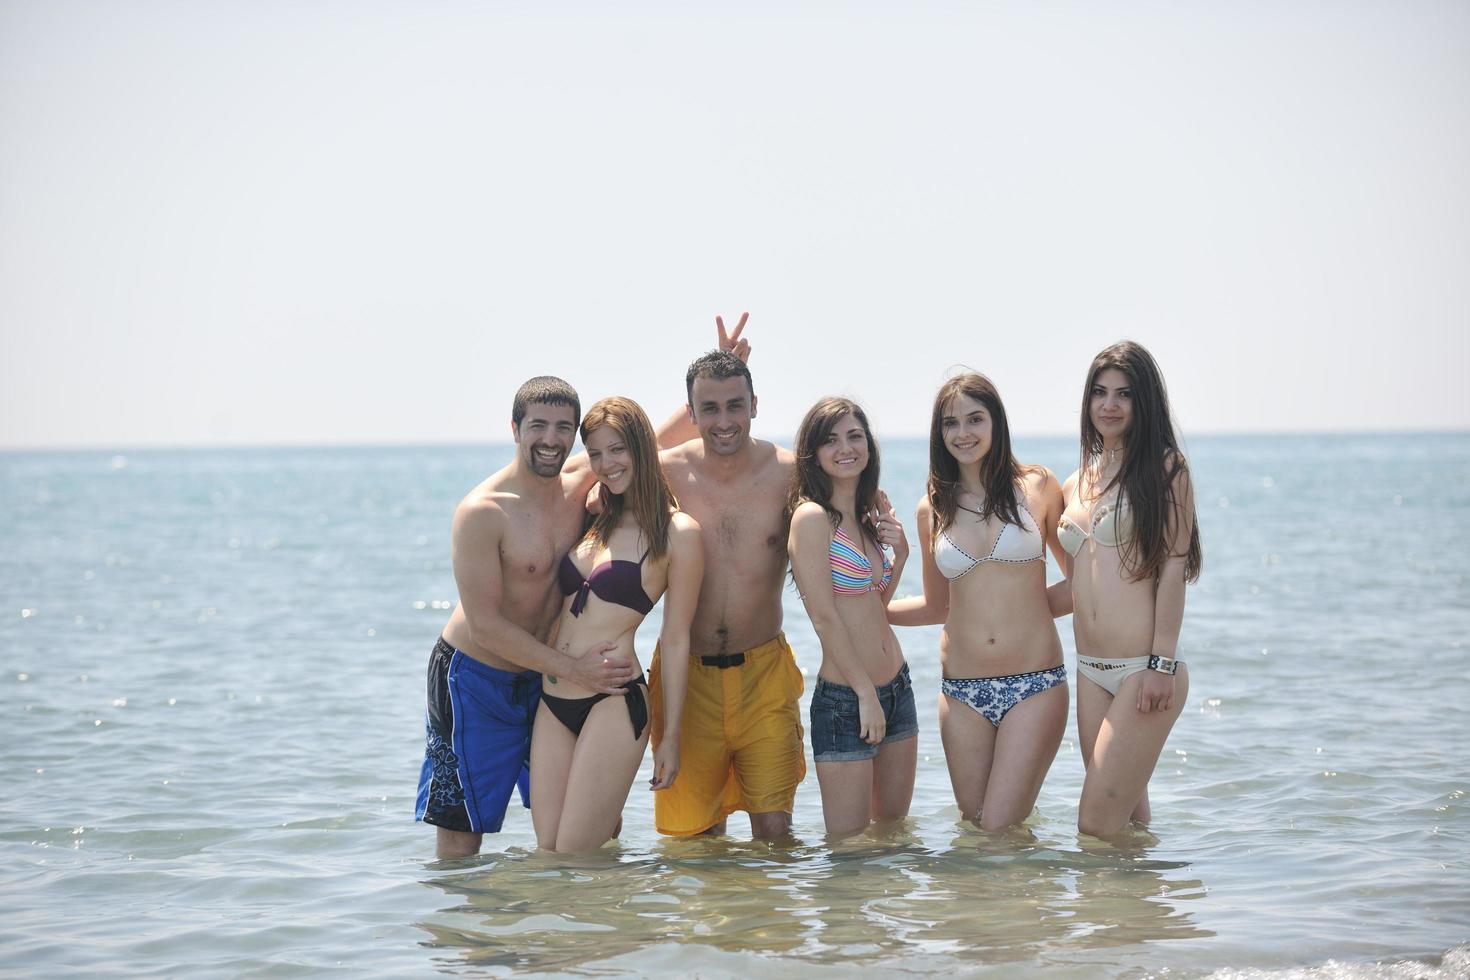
(599,622)
(1112,617)
(872,638)
(999,623)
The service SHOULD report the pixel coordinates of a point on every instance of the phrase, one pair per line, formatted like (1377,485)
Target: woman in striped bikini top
(863,719)
(852,572)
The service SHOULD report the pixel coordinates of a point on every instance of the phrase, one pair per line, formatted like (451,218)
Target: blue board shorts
(478,747)
(834,714)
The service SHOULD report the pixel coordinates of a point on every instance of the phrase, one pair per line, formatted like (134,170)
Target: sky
(348,221)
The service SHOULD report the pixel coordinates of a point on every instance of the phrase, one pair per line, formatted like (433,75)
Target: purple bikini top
(617,580)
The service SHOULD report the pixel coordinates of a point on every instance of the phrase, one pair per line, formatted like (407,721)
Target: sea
(212,673)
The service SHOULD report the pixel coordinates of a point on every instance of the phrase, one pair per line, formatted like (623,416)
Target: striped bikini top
(852,573)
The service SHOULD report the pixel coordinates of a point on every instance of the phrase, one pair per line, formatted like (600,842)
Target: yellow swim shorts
(740,745)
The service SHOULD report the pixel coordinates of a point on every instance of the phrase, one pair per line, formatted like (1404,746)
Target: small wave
(1453,965)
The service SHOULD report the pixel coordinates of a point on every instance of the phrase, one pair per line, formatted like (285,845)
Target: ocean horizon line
(401,445)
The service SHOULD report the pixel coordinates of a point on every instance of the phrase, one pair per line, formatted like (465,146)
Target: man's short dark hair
(545,390)
(717,365)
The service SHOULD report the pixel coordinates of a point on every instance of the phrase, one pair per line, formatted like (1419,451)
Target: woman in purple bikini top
(616,580)
(586,747)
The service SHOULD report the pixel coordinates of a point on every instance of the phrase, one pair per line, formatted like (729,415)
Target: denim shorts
(835,730)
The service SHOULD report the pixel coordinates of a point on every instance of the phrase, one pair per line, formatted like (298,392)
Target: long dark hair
(649,494)
(1151,462)
(808,482)
(1000,474)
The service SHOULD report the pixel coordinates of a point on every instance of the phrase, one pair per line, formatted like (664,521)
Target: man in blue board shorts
(484,678)
(484,681)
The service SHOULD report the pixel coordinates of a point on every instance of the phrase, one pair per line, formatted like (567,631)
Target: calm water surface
(211,710)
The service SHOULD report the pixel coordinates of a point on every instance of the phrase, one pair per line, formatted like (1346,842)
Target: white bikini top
(1112,524)
(1016,543)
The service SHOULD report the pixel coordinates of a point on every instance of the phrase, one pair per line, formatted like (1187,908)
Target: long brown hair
(1000,474)
(1151,462)
(808,482)
(649,496)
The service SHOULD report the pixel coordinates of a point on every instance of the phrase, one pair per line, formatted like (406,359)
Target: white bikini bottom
(1110,674)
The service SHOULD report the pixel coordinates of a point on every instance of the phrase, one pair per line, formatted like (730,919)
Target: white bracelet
(1164,665)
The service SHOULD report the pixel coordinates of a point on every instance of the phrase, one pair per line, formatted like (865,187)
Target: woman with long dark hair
(586,747)
(984,526)
(863,720)
(1129,528)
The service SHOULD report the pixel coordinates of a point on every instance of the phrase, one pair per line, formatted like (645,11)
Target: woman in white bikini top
(984,527)
(1015,543)
(1112,524)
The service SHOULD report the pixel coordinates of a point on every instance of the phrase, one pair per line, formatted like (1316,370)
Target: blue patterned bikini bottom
(993,697)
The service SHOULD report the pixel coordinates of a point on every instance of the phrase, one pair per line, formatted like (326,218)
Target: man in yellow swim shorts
(741,744)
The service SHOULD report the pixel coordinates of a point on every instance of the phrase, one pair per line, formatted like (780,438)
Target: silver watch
(1164,665)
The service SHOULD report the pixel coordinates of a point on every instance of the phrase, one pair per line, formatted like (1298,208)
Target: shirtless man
(485,671)
(741,740)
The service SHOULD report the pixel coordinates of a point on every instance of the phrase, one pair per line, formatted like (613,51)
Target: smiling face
(612,461)
(844,453)
(722,409)
(1110,405)
(966,426)
(545,436)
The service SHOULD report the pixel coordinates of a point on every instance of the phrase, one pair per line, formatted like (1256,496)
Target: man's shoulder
(770,462)
(483,512)
(495,497)
(768,465)
(683,455)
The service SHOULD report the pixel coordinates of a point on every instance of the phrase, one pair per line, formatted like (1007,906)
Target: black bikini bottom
(572,712)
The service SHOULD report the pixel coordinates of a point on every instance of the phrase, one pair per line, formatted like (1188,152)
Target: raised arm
(890,534)
(686,573)
(933,606)
(1158,692)
(479,527)
(1058,594)
(809,545)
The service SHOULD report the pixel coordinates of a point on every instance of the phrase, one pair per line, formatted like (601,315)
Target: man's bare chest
(534,542)
(740,522)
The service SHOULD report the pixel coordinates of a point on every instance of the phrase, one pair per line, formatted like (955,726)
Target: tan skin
(583,781)
(1114,618)
(997,621)
(509,534)
(734,486)
(859,649)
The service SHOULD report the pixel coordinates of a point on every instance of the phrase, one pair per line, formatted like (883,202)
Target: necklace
(977,513)
(1100,462)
